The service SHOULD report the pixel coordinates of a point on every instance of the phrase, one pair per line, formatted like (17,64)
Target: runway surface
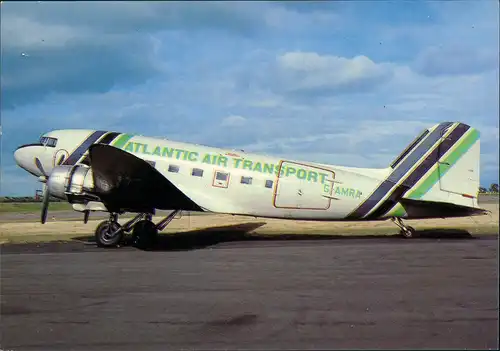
(317,294)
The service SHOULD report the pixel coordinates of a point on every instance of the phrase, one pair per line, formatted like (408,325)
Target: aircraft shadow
(206,237)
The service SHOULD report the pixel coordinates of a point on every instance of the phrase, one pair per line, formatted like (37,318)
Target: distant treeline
(21,199)
(492,190)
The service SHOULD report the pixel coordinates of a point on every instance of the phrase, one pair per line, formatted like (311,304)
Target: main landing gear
(406,231)
(144,232)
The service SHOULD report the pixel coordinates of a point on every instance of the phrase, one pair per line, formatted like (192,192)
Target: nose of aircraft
(21,155)
(25,158)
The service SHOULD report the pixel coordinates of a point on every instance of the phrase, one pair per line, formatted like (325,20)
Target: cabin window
(221,176)
(246,180)
(152,163)
(52,142)
(173,168)
(197,172)
(269,183)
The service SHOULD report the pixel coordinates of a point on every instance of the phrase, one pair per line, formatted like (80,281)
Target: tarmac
(219,288)
(217,292)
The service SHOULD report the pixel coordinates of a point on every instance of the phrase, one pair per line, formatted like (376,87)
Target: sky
(346,83)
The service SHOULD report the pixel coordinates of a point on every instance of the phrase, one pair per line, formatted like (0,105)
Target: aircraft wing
(126,183)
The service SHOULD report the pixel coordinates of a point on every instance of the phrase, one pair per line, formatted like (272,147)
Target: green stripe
(122,140)
(398,211)
(445,165)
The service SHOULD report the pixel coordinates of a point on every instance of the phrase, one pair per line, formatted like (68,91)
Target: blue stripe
(80,150)
(419,172)
(399,172)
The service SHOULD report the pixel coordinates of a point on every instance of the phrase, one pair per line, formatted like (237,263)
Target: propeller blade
(39,166)
(45,203)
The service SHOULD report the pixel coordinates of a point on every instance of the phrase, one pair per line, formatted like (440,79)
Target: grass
(448,233)
(261,231)
(32,207)
(272,230)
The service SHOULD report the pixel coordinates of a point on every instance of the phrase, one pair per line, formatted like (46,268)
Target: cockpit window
(47,141)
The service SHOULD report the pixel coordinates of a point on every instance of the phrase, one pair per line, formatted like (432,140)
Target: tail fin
(441,165)
(454,175)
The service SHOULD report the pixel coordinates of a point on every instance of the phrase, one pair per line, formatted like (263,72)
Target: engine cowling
(69,181)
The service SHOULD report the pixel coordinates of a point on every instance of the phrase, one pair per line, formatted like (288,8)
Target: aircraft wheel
(145,234)
(103,234)
(409,232)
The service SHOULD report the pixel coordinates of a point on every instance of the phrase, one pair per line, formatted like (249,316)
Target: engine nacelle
(70,180)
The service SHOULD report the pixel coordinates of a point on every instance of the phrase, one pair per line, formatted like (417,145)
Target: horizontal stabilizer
(418,209)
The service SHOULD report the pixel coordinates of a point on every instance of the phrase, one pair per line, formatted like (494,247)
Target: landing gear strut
(144,232)
(406,231)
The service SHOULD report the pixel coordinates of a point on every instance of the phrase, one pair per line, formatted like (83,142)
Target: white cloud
(233,121)
(306,89)
(367,143)
(311,72)
(95,47)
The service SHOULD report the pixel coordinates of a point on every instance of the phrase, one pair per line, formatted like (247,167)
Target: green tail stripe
(122,140)
(444,166)
(397,211)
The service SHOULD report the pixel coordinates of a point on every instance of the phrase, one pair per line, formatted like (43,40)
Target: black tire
(102,237)
(144,234)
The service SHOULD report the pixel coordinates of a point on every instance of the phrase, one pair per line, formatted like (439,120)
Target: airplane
(435,176)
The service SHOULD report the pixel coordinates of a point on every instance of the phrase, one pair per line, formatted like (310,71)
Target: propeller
(45,191)
(45,203)
(39,165)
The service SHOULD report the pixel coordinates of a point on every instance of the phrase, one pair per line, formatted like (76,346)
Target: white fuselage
(243,183)
(234,182)
(440,167)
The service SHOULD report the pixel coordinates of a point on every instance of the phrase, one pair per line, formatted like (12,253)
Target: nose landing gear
(406,231)
(110,233)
